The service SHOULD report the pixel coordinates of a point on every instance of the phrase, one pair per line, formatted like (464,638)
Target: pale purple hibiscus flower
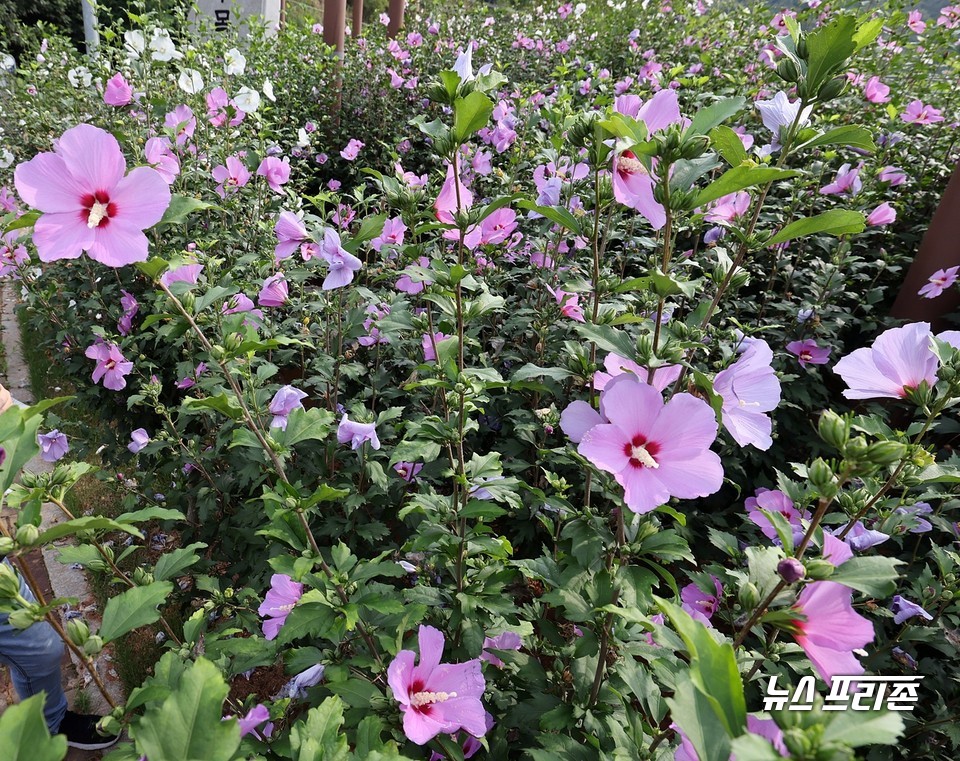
(437,697)
(138,440)
(498,227)
(938,282)
(290,233)
(182,123)
(187,273)
(12,254)
(273,291)
(88,203)
(405,282)
(408,472)
(276,171)
(569,303)
(254,718)
(117,91)
(190,381)
(915,22)
(391,235)
(897,363)
(503,641)
(429,355)
(884,214)
(655,451)
(615,365)
(750,389)
(832,629)
(231,175)
(916,522)
(357,434)
(221,108)
(341,263)
(809,352)
(130,306)
(892,175)
(779,113)
(352,149)
(446,205)
(846,183)
(286,400)
(283,595)
(861,538)
(699,604)
(904,609)
(112,366)
(159,154)
(876,91)
(53,445)
(728,208)
(918,113)
(775,501)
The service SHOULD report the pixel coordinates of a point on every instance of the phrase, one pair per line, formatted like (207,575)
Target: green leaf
(828,48)
(133,608)
(529,371)
(867,32)
(833,222)
(728,144)
(318,738)
(857,728)
(24,735)
(87,523)
(557,214)
(850,135)
(151,514)
(28,219)
(174,563)
(154,267)
(739,178)
(180,208)
(18,432)
(305,425)
(713,669)
(357,693)
(750,747)
(609,339)
(873,575)
(188,725)
(222,403)
(470,114)
(692,711)
(707,118)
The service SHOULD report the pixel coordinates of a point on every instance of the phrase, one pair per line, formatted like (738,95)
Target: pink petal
(693,477)
(44,183)
(749,426)
(92,156)
(431,649)
(420,728)
(686,422)
(61,236)
(604,446)
(660,111)
(117,245)
(631,405)
(141,198)
(399,675)
(642,490)
(578,418)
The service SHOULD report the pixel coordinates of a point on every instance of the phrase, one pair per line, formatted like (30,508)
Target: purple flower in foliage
(749,388)
(274,291)
(831,629)
(809,352)
(861,538)
(357,434)
(938,282)
(699,604)
(53,445)
(903,609)
(283,595)
(111,367)
(504,641)
(775,501)
(290,234)
(138,440)
(249,723)
(884,214)
(342,264)
(285,401)
(437,697)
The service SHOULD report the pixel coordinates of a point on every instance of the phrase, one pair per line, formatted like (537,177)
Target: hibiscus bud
(437,92)
(78,631)
(832,89)
(27,535)
(218,353)
(93,645)
(9,583)
(797,742)
(819,569)
(946,595)
(233,342)
(834,429)
(886,452)
(189,302)
(787,70)
(820,475)
(142,577)
(580,134)
(802,52)
(22,619)
(740,278)
(791,570)
(29,480)
(749,595)
(695,146)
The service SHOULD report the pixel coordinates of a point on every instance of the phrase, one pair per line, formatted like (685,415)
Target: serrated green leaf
(834,222)
(133,608)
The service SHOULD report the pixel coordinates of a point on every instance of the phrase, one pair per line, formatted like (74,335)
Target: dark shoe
(81,732)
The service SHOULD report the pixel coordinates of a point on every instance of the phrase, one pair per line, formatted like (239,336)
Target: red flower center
(642,453)
(98,208)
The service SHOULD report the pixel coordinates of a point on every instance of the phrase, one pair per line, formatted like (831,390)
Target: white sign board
(235,14)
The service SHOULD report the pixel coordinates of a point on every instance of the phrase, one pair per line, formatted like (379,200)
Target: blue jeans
(34,656)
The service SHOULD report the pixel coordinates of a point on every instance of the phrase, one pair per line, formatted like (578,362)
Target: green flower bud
(93,645)
(23,618)
(218,353)
(886,452)
(821,475)
(233,342)
(802,52)
(9,581)
(834,429)
(818,570)
(694,147)
(832,89)
(749,596)
(78,631)
(6,545)
(142,577)
(787,70)
(27,535)
(740,278)
(189,302)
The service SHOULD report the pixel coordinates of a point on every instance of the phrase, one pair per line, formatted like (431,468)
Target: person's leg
(34,657)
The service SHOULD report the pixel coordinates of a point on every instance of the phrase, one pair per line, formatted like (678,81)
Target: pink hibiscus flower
(939,282)
(749,388)
(283,595)
(111,367)
(89,203)
(437,697)
(809,352)
(655,450)
(899,361)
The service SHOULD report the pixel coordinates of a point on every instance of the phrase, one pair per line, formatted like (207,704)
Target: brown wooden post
(940,249)
(334,18)
(395,11)
(357,17)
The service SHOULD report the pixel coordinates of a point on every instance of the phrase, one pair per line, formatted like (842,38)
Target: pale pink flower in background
(88,203)
(938,282)
(749,388)
(809,352)
(159,154)
(231,176)
(111,367)
(290,233)
(892,175)
(182,123)
(117,91)
(276,171)
(391,235)
(897,363)
(884,214)
(728,208)
(847,182)
(918,113)
(446,204)
(352,149)
(876,91)
(915,22)
(498,227)
(405,282)
(429,355)
(569,303)
(187,273)
(274,291)
(341,263)
(219,106)
(504,641)
(615,365)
